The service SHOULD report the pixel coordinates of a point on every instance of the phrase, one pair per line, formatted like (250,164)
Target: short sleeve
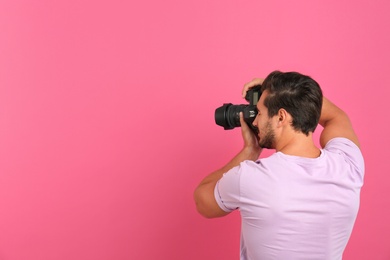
(227,190)
(350,151)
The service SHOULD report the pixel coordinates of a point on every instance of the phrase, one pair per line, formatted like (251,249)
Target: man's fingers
(243,123)
(251,84)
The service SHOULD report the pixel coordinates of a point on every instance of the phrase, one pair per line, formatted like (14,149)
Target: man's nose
(254,123)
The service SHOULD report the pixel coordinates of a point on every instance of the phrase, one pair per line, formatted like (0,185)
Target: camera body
(228,115)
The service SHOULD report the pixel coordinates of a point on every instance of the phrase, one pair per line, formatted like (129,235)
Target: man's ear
(283,117)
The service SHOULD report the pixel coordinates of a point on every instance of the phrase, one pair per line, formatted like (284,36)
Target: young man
(302,201)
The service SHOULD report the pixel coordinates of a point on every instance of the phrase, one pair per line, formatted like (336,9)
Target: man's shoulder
(265,164)
(341,144)
(347,149)
(340,140)
(261,161)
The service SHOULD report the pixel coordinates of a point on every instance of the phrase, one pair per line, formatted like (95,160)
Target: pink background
(107,117)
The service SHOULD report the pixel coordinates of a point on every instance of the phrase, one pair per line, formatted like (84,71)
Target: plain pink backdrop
(107,117)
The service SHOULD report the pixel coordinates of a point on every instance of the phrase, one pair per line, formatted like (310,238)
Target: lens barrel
(228,115)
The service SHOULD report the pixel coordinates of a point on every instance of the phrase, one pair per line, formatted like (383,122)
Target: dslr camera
(228,115)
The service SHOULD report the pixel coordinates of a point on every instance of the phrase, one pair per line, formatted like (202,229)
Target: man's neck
(298,144)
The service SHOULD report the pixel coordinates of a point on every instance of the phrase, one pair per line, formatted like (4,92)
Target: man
(302,201)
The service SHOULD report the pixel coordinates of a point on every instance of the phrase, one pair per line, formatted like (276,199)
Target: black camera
(228,115)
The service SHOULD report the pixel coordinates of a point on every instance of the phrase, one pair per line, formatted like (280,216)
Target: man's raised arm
(336,123)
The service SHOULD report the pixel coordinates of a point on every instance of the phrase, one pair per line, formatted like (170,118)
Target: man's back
(294,207)
(302,202)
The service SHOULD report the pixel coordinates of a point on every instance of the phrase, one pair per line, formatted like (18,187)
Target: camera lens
(228,115)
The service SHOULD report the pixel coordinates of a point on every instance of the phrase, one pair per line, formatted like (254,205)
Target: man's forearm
(330,112)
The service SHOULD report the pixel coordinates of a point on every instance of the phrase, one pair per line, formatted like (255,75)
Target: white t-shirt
(293,207)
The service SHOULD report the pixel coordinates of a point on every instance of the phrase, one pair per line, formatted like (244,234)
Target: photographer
(302,201)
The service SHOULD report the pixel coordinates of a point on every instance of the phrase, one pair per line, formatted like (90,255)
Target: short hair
(298,94)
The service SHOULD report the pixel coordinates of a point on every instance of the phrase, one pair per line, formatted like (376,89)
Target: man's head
(299,95)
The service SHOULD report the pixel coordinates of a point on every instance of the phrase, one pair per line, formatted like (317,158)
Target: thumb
(242,121)
(241,118)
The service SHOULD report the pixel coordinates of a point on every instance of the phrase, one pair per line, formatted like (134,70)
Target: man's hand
(251,84)
(251,140)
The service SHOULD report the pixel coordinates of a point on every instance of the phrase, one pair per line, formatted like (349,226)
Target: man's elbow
(205,206)
(200,204)
(204,210)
